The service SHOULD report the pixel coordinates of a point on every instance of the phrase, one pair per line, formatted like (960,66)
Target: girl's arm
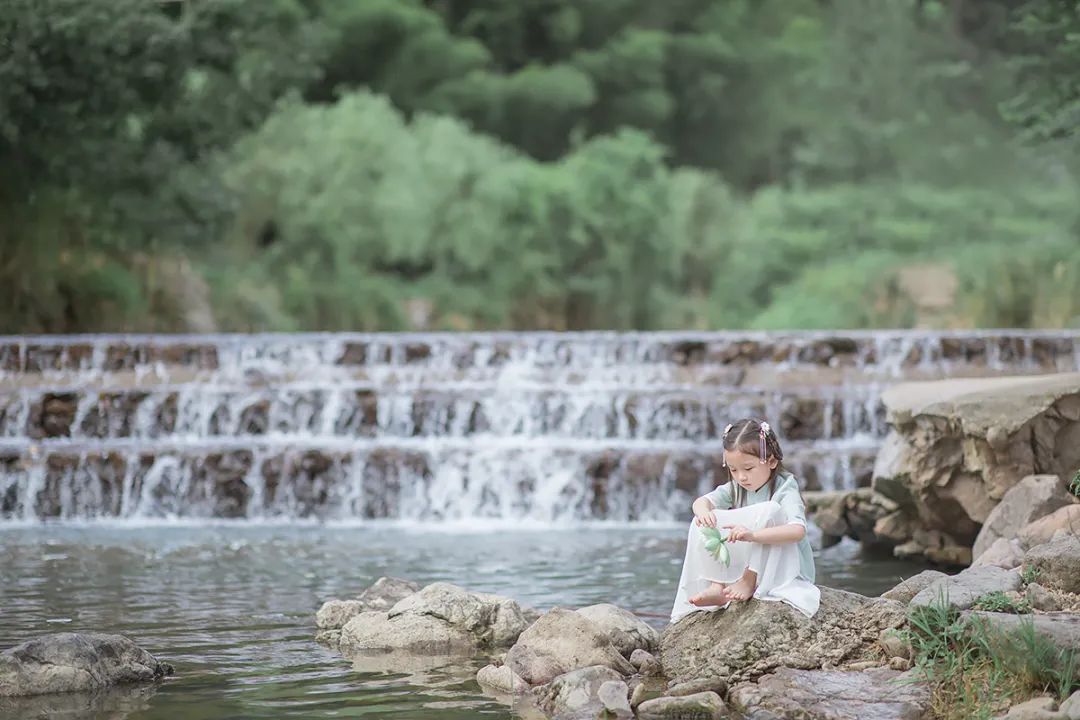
(702,505)
(779,535)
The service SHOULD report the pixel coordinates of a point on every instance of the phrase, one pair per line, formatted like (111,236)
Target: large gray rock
(383,594)
(701,706)
(501,679)
(913,585)
(1063,628)
(440,619)
(72,662)
(1004,553)
(1063,520)
(963,589)
(374,632)
(615,697)
(1057,563)
(1032,498)
(559,642)
(386,592)
(1071,707)
(1039,708)
(957,446)
(877,694)
(576,695)
(752,638)
(626,630)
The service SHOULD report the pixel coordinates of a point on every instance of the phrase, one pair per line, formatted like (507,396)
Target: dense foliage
(386,164)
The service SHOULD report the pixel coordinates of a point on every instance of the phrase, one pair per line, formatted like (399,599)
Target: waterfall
(439,426)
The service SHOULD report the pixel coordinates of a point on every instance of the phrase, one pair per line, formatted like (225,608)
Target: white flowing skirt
(777,566)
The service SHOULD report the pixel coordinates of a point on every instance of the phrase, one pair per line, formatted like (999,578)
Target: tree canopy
(538,164)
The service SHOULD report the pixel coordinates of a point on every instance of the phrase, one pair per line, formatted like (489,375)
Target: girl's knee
(774,511)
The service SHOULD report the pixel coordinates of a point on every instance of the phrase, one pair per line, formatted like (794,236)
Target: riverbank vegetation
(976,670)
(538,164)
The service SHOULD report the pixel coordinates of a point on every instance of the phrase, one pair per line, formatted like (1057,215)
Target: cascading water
(530,426)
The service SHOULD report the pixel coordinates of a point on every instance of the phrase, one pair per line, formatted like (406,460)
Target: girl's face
(748,470)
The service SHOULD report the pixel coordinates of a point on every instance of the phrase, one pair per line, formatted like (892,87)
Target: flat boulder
(1062,628)
(1030,499)
(960,591)
(559,642)
(913,585)
(875,694)
(752,638)
(73,662)
(440,619)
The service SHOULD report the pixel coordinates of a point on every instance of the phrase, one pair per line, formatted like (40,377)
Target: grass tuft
(976,671)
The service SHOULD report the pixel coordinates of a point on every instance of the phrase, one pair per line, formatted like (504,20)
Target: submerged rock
(72,662)
(752,638)
(877,694)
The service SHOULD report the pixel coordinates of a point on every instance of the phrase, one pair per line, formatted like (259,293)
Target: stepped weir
(514,426)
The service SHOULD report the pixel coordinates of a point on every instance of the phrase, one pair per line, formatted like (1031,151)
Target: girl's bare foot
(713,595)
(743,588)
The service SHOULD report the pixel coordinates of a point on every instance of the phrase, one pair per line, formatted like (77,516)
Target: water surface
(232,605)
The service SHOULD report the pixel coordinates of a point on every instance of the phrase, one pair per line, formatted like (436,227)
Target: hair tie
(723,460)
(762,435)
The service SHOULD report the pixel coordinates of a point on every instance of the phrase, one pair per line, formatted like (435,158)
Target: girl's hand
(737,533)
(706,519)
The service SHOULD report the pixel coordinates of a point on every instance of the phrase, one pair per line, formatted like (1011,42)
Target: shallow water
(232,606)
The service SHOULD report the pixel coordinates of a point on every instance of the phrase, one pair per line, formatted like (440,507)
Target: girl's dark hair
(745,436)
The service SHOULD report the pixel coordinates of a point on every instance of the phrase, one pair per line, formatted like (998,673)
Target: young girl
(763,513)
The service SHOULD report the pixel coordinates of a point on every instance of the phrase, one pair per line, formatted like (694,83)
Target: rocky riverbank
(758,659)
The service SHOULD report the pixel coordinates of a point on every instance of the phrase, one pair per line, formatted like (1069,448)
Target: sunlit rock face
(515,426)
